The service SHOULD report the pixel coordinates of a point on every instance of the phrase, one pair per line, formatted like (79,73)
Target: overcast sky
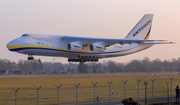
(91,18)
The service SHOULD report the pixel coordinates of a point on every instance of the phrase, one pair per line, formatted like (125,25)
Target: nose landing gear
(30,57)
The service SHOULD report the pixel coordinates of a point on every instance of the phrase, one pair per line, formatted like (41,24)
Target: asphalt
(119,102)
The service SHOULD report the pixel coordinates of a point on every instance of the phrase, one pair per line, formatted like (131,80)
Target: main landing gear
(30,57)
(84,59)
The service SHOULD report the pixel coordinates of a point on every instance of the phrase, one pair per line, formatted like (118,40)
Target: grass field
(27,95)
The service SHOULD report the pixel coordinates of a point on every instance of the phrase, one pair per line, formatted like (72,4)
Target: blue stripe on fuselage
(26,48)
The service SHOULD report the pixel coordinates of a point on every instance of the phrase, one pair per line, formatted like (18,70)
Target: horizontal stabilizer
(159,42)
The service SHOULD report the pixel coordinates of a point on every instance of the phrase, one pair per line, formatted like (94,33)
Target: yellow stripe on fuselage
(31,46)
(20,46)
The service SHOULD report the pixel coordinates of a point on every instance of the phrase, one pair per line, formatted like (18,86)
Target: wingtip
(172,42)
(167,41)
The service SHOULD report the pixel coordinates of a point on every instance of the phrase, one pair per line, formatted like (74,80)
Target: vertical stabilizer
(142,29)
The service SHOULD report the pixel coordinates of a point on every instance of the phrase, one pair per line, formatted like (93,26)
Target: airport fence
(145,87)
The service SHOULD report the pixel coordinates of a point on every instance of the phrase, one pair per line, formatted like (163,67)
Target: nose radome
(8,45)
(18,41)
(12,43)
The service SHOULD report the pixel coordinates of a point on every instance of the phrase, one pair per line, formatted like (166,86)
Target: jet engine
(74,46)
(97,47)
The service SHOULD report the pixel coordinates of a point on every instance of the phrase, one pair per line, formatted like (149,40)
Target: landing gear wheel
(96,60)
(30,57)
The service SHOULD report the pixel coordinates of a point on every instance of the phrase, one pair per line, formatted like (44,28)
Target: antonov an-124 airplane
(82,49)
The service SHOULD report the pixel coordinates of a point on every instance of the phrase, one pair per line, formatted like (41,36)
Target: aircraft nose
(16,43)
(10,44)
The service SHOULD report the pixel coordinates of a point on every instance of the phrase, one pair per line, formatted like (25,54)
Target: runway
(119,102)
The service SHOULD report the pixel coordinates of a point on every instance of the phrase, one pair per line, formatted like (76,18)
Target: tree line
(144,65)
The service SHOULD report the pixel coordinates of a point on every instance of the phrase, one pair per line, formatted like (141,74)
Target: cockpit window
(25,35)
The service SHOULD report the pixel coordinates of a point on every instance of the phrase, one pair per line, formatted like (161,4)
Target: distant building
(43,72)
(3,72)
(17,72)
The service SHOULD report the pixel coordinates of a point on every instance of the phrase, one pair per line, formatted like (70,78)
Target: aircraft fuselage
(52,45)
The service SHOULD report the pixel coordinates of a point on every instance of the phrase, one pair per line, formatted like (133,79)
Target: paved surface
(119,102)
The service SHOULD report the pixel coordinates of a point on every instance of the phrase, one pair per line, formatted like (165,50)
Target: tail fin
(142,29)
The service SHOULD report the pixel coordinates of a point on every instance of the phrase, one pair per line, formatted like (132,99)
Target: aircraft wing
(112,41)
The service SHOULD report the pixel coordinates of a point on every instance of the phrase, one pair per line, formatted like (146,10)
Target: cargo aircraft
(82,49)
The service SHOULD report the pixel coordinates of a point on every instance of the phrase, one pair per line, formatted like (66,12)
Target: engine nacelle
(96,47)
(74,46)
